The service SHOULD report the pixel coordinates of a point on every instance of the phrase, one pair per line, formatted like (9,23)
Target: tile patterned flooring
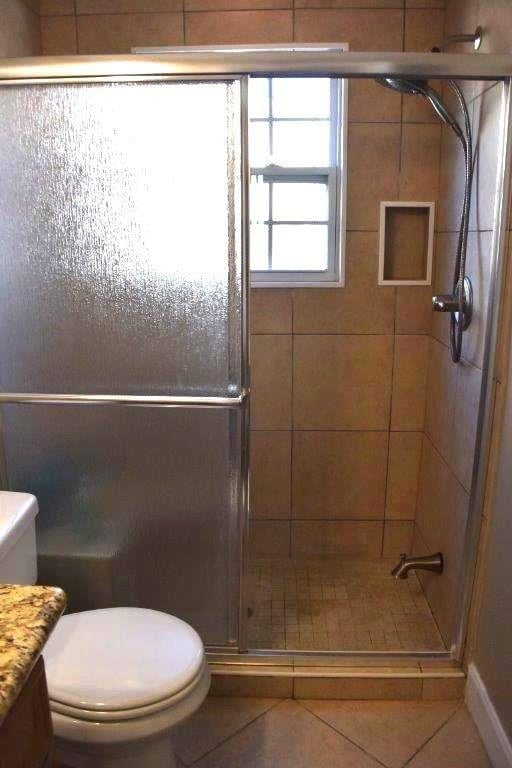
(347,604)
(272,733)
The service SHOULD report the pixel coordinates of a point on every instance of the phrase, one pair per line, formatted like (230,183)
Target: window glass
(299,247)
(301,97)
(294,129)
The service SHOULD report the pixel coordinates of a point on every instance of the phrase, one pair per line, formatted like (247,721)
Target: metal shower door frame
(315,60)
(236,405)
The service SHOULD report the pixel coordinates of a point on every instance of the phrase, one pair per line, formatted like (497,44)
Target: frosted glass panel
(119,261)
(137,507)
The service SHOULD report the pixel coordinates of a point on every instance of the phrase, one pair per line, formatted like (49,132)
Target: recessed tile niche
(406,243)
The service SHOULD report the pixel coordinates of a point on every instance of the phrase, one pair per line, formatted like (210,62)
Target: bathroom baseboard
(496,741)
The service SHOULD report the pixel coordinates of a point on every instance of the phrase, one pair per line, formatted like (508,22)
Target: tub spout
(425,563)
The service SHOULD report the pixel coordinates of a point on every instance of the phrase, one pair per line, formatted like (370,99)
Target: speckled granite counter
(27,617)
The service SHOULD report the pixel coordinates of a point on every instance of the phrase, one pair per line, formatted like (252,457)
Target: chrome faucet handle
(445,303)
(449,302)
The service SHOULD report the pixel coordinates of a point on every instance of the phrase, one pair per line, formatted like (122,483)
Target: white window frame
(334,277)
(335,179)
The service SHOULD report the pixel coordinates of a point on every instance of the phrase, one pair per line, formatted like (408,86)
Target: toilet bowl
(119,679)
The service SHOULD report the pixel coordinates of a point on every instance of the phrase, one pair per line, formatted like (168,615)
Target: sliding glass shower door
(121,288)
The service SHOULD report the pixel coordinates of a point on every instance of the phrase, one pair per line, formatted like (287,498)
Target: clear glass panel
(299,247)
(300,201)
(258,97)
(301,97)
(100,206)
(137,507)
(259,246)
(259,144)
(301,144)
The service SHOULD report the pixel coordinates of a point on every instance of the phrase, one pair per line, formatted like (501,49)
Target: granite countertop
(27,616)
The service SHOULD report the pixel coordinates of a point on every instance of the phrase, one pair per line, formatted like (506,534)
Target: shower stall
(125,332)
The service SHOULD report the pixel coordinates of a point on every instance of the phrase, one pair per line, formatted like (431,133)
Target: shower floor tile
(337,605)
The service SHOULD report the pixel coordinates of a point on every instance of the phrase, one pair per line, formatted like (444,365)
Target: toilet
(119,679)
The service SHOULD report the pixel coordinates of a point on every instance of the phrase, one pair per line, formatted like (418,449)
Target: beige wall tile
(424,3)
(465,418)
(373,169)
(441,516)
(203,28)
(441,382)
(271,381)
(478,267)
(269,538)
(270,310)
(486,128)
(58,35)
(413,313)
(257,686)
(409,382)
(361,306)
(270,474)
(397,537)
(445,250)
(443,688)
(320,538)
(406,243)
(118,33)
(367,4)
(369,102)
(419,168)
(339,475)
(357,688)
(364,30)
(57,7)
(451,176)
(403,474)
(235,5)
(333,374)
(19,30)
(128,6)
(423,29)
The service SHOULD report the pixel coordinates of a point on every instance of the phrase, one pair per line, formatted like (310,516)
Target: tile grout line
(300,702)
(235,733)
(438,730)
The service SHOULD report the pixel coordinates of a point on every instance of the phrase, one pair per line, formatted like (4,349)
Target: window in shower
(297,192)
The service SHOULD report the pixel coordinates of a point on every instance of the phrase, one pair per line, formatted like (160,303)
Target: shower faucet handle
(446,302)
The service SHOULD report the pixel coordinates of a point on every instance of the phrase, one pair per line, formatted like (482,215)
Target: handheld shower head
(413,87)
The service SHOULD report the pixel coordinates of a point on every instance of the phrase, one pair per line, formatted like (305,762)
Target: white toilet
(118,679)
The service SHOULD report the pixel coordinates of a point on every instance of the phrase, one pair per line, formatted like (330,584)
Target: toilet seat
(112,715)
(119,663)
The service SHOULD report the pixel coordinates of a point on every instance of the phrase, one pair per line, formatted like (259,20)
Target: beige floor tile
(337,604)
(391,731)
(217,720)
(287,736)
(456,744)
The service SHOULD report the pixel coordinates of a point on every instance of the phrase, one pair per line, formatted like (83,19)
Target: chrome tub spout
(425,563)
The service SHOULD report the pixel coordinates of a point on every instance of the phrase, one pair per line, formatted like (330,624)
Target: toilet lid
(120,658)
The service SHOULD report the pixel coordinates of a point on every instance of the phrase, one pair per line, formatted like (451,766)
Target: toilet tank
(18,556)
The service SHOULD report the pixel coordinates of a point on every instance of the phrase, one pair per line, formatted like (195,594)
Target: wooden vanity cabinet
(26,737)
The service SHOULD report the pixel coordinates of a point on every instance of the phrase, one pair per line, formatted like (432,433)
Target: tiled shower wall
(453,391)
(339,375)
